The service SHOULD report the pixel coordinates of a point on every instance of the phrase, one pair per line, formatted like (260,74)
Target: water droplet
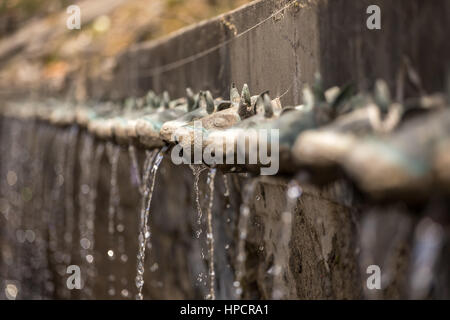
(85,243)
(154,267)
(124,293)
(120,227)
(294,191)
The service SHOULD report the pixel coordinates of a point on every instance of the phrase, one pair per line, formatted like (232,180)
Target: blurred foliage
(14,13)
(178,13)
(36,46)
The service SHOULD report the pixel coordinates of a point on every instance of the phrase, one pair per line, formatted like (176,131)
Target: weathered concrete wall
(328,254)
(284,52)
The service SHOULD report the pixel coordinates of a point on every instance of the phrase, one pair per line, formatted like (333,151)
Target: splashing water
(249,190)
(144,234)
(210,235)
(281,257)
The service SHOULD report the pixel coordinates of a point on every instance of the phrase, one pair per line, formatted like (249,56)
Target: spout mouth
(119,128)
(169,129)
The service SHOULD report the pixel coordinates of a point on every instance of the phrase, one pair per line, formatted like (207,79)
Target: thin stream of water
(196,171)
(281,256)
(227,190)
(429,239)
(150,156)
(248,192)
(90,221)
(210,235)
(90,159)
(113,153)
(58,218)
(135,174)
(144,234)
(69,194)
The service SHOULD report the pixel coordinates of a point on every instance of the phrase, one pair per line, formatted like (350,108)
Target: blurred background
(35,44)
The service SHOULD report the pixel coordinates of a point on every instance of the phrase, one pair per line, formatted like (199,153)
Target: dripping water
(226,194)
(196,171)
(249,190)
(41,206)
(113,153)
(69,194)
(90,222)
(152,165)
(429,239)
(90,159)
(210,234)
(281,257)
(56,214)
(135,174)
(141,254)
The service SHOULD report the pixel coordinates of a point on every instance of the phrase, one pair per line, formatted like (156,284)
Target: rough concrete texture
(283,53)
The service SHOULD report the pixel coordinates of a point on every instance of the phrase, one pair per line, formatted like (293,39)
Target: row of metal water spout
(333,130)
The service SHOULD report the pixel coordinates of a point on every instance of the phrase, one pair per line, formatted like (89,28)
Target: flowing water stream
(281,256)
(244,215)
(210,235)
(150,169)
(113,153)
